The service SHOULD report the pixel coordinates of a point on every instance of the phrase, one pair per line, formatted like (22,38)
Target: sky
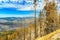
(20,8)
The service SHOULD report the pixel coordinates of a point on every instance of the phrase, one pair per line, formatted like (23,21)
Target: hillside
(52,36)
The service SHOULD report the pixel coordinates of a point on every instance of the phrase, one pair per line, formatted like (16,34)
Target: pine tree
(51,17)
(42,23)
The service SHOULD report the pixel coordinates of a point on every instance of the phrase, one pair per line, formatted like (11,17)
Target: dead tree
(35,17)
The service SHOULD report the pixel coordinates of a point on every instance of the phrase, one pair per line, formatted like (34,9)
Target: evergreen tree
(51,17)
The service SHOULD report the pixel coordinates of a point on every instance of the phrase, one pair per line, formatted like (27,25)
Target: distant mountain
(10,18)
(15,18)
(10,23)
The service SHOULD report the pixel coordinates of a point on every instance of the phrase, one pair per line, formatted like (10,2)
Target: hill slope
(52,36)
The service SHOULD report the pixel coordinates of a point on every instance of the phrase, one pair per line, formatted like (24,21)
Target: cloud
(6,5)
(11,0)
(27,6)
(39,6)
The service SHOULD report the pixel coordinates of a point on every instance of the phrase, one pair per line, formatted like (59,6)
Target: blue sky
(19,8)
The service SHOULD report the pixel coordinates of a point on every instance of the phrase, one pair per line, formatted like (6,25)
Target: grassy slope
(47,37)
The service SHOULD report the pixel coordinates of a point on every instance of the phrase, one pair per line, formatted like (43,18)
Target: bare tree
(35,17)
